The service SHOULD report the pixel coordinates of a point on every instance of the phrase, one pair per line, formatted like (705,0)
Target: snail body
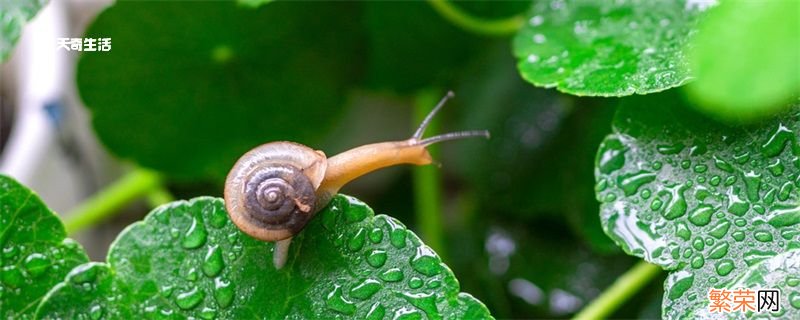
(275,189)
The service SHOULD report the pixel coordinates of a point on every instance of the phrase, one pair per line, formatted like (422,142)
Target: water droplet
(426,262)
(794,299)
(752,182)
(189,299)
(729,180)
(406,313)
(366,289)
(723,165)
(785,217)
(676,206)
(336,302)
(678,283)
(10,252)
(698,261)
(701,215)
(376,258)
(685,164)
(682,231)
(777,141)
(191,275)
(223,292)
(754,256)
(738,235)
(376,312)
(721,229)
(536,21)
(786,191)
(12,276)
(376,235)
(763,235)
(792,281)
(95,312)
(788,234)
(631,182)
(741,158)
(645,194)
(539,38)
(196,236)
(36,264)
(719,251)
(356,242)
(217,216)
(736,205)
(415,283)
(434,283)
(611,156)
(425,302)
(700,168)
(356,213)
(213,263)
(397,235)
(208,313)
(392,275)
(698,244)
(776,168)
(724,267)
(667,149)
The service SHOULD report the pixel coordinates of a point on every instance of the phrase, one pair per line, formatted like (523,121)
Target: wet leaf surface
(703,200)
(607,48)
(187,259)
(36,255)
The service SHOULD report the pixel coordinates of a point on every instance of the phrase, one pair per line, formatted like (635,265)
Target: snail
(275,189)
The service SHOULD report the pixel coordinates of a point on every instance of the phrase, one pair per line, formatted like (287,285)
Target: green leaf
(701,199)
(607,48)
(253,3)
(13,16)
(36,253)
(186,89)
(759,71)
(187,259)
(780,272)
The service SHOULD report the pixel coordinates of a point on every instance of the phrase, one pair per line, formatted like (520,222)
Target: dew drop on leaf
(336,302)
(195,236)
(724,267)
(392,275)
(189,299)
(366,289)
(213,263)
(376,258)
(36,264)
(426,262)
(376,312)
(223,292)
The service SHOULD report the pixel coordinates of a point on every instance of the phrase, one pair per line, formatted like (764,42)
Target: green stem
(159,196)
(426,180)
(108,201)
(458,17)
(619,292)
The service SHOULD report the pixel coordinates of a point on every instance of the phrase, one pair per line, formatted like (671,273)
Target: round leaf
(36,255)
(704,200)
(188,89)
(607,48)
(187,259)
(760,68)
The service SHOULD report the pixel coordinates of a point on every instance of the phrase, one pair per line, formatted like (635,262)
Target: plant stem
(159,196)
(426,180)
(619,292)
(108,201)
(458,17)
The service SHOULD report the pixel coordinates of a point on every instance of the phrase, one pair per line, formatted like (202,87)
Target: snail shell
(270,193)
